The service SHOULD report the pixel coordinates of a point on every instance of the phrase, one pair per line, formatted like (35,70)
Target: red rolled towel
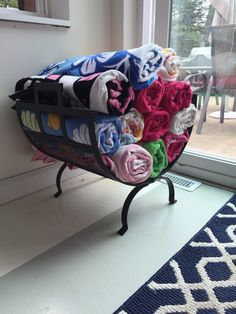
(149,98)
(177,95)
(174,144)
(156,124)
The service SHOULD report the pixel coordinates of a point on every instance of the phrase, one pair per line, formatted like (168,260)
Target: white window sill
(15,17)
(206,167)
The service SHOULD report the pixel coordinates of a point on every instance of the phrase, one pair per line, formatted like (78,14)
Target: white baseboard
(32,181)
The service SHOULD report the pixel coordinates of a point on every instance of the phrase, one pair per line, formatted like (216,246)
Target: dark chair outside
(223,77)
(196,69)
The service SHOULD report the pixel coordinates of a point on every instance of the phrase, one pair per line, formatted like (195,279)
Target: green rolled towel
(158,152)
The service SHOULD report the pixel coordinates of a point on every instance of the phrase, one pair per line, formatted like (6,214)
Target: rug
(200,278)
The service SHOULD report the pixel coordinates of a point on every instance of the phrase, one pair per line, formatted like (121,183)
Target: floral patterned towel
(140,65)
(132,127)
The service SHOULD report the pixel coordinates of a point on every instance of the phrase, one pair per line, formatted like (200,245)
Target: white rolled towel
(183,120)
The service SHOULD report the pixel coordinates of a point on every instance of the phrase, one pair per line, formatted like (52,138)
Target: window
(51,12)
(185,25)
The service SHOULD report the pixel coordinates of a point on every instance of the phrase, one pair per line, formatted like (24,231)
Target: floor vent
(182,182)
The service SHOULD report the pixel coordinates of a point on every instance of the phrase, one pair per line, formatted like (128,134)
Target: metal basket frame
(63,111)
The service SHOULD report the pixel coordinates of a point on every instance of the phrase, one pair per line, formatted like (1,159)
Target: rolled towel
(131,163)
(170,69)
(174,144)
(156,124)
(158,152)
(51,123)
(182,120)
(107,129)
(177,95)
(148,99)
(30,121)
(132,127)
(140,65)
(24,91)
(108,92)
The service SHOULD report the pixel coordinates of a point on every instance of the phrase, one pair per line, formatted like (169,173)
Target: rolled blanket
(183,120)
(158,152)
(24,91)
(29,81)
(170,69)
(149,98)
(109,92)
(132,127)
(174,144)
(107,129)
(140,65)
(177,95)
(131,163)
(156,124)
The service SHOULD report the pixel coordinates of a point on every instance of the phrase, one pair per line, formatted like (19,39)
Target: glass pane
(8,4)
(204,38)
(24,5)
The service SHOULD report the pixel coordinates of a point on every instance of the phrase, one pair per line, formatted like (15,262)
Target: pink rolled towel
(177,95)
(131,163)
(174,144)
(38,155)
(148,99)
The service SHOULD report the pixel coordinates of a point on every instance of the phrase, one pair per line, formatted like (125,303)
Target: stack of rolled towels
(142,111)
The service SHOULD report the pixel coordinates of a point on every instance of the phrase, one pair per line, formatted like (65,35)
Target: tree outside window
(25,5)
(189,25)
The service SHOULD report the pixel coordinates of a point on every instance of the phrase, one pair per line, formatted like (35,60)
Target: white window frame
(205,167)
(43,14)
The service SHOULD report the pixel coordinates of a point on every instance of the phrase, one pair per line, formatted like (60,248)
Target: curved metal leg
(58,180)
(170,184)
(125,209)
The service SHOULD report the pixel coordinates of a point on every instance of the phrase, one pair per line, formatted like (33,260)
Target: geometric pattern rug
(200,278)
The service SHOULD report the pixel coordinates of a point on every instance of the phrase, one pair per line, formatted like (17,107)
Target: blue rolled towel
(107,129)
(140,65)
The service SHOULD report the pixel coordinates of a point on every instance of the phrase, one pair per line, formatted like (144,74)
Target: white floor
(63,256)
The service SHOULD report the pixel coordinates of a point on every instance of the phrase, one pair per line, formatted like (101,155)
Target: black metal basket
(71,152)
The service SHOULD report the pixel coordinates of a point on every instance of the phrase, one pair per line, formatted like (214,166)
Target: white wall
(25,49)
(124,24)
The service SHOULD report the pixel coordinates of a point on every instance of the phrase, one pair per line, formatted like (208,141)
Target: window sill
(14,17)
(207,167)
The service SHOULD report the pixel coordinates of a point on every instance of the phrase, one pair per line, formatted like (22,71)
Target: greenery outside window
(189,25)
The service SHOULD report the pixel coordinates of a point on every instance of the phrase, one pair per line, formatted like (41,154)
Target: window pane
(190,25)
(24,5)
(205,41)
(8,4)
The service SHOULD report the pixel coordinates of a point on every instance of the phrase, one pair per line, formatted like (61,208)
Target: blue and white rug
(200,278)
